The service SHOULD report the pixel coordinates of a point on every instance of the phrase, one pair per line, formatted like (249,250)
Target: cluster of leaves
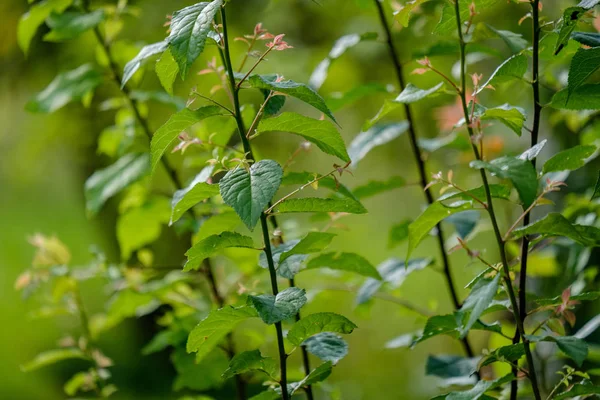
(228,215)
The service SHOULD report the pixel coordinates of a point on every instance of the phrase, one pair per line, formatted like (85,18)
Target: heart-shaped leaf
(249,192)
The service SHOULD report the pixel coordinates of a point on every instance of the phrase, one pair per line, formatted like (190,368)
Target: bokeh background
(45,160)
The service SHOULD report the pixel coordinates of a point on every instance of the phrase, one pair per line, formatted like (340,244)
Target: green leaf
(521,173)
(164,137)
(398,233)
(568,23)
(327,346)
(373,137)
(190,27)
(481,296)
(273,309)
(412,94)
(577,390)
(596,193)
(393,272)
(140,226)
(146,52)
(166,69)
(478,391)
(447,24)
(37,14)
(585,97)
(249,192)
(322,133)
(514,41)
(198,375)
(350,262)
(70,25)
(403,15)
(513,67)
(575,348)
(583,65)
(214,244)
(287,268)
(107,182)
(511,354)
(433,215)
(198,190)
(341,45)
(313,242)
(294,89)
(251,361)
(373,188)
(337,100)
(448,325)
(512,117)
(314,204)
(317,323)
(65,88)
(464,222)
(211,330)
(455,367)
(555,301)
(570,159)
(554,224)
(317,375)
(53,356)
(591,39)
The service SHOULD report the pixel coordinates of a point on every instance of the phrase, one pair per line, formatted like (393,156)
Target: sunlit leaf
(251,361)
(197,191)
(315,204)
(212,245)
(35,17)
(316,323)
(350,262)
(52,357)
(146,52)
(570,159)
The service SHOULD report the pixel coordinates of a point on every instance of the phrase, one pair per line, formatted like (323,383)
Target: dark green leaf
(511,354)
(570,159)
(464,222)
(512,117)
(327,346)
(555,224)
(596,193)
(433,215)
(375,136)
(591,39)
(521,173)
(315,204)
(164,137)
(322,133)
(455,367)
(568,23)
(249,192)
(584,63)
(373,188)
(294,89)
(513,67)
(107,182)
(578,390)
(286,304)
(478,391)
(447,24)
(573,347)
(585,97)
(448,325)
(555,301)
(37,14)
(211,330)
(514,41)
(317,323)
(52,357)
(289,267)
(350,262)
(251,361)
(316,375)
(190,27)
(213,245)
(146,52)
(198,375)
(69,25)
(65,88)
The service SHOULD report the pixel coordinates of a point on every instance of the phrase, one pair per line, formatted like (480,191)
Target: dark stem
(537,110)
(421,167)
(117,78)
(226,56)
(490,209)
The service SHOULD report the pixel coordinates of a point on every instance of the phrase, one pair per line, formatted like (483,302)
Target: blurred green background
(45,159)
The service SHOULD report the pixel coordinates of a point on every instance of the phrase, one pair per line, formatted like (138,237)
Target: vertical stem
(537,110)
(421,166)
(117,78)
(490,208)
(226,56)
